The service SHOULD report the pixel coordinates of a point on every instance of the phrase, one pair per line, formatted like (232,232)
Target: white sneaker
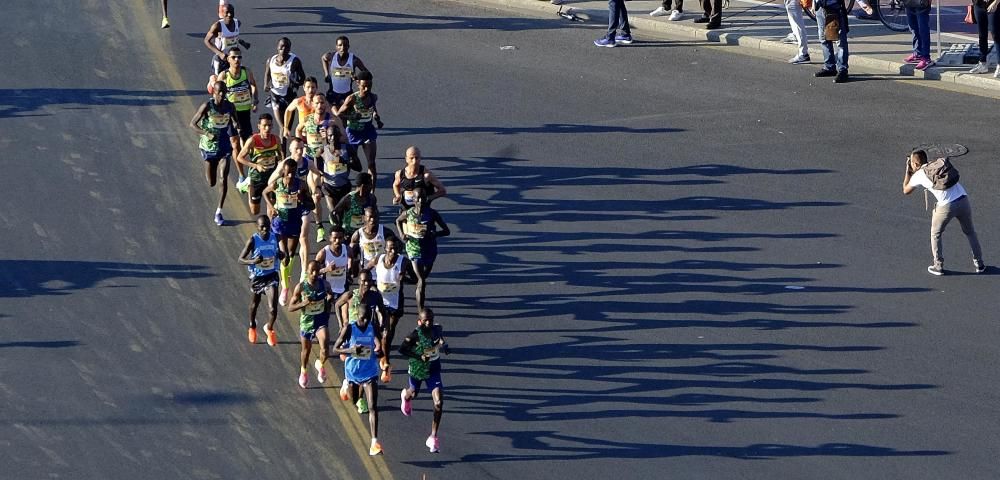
(659,12)
(996,74)
(556,2)
(980,68)
(675,15)
(790,39)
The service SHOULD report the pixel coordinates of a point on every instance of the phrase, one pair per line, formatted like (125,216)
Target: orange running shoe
(252,335)
(343,390)
(386,373)
(376,448)
(272,336)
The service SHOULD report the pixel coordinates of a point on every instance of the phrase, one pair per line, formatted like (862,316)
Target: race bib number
(356,221)
(366,353)
(287,201)
(279,79)
(342,72)
(241,96)
(266,263)
(267,161)
(432,353)
(314,139)
(229,42)
(388,287)
(219,120)
(335,167)
(372,249)
(338,271)
(417,230)
(315,307)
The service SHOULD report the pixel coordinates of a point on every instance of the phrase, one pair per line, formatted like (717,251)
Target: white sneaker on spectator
(980,68)
(659,12)
(675,15)
(996,74)
(557,2)
(790,38)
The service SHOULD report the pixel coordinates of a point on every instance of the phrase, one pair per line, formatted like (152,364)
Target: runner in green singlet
(349,212)
(313,298)
(262,154)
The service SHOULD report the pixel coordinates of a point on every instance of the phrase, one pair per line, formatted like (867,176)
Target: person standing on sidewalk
(794,11)
(987,18)
(674,8)
(952,202)
(618,29)
(713,14)
(831,19)
(918,17)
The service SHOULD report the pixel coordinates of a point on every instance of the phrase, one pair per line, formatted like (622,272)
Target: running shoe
(283,298)
(935,270)
(799,59)
(623,39)
(165,23)
(604,42)
(980,67)
(386,376)
(219,220)
(303,378)
(252,334)
(272,336)
(996,74)
(343,390)
(320,233)
(243,185)
(433,444)
(790,39)
(660,12)
(980,266)
(913,58)
(320,371)
(405,406)
(676,15)
(924,64)
(375,449)
(362,405)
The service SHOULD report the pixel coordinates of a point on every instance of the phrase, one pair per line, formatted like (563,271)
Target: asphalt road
(668,260)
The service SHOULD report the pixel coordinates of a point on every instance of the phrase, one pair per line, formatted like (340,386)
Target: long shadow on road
(28,278)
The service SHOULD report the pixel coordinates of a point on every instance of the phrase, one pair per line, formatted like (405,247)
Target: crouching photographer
(940,178)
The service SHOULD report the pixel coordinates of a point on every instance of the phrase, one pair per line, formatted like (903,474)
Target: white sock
(218,211)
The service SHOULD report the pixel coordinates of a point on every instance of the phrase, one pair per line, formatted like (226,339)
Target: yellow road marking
(353,426)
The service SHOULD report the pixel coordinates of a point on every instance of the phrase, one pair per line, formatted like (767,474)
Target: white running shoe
(996,74)
(980,67)
(283,297)
(675,15)
(320,371)
(790,39)
(433,444)
(659,12)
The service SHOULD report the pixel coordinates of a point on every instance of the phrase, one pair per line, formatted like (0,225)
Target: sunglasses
(236,56)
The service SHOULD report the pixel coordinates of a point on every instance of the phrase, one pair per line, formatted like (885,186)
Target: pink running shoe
(924,64)
(913,58)
(433,444)
(303,379)
(405,405)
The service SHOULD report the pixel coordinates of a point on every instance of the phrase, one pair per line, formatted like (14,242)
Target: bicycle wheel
(892,13)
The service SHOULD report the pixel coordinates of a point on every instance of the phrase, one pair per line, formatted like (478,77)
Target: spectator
(617,22)
(674,8)
(918,16)
(713,14)
(794,11)
(831,19)
(987,15)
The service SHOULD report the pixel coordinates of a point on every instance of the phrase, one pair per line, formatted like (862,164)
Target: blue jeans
(919,20)
(617,19)
(833,59)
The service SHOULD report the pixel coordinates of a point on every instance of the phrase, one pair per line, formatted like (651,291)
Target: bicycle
(892,14)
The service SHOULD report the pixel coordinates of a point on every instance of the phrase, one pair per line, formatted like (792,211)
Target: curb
(734,38)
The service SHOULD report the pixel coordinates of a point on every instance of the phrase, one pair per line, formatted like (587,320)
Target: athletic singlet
(217,120)
(302,168)
(371,248)
(227,38)
(263,154)
(408,186)
(281,75)
(337,277)
(363,367)
(361,113)
(312,128)
(388,280)
(287,198)
(304,108)
(238,90)
(353,217)
(267,250)
(354,310)
(342,76)
(415,228)
(335,169)
(316,309)
(423,344)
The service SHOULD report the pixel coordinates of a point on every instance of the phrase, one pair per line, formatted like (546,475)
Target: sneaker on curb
(433,444)
(980,67)
(320,234)
(799,59)
(913,58)
(996,74)
(935,270)
(660,12)
(283,296)
(604,42)
(980,266)
(219,220)
(375,449)
(676,15)
(165,23)
(790,39)
(343,390)
(320,371)
(252,335)
(924,64)
(623,39)
(303,379)
(362,405)
(405,406)
(272,336)
(556,2)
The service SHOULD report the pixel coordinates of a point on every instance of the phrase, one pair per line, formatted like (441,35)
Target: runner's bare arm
(439,190)
(325,60)
(213,32)
(297,301)
(196,119)
(397,191)
(245,255)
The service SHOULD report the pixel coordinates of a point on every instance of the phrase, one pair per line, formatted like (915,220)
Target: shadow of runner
(26,102)
(27,278)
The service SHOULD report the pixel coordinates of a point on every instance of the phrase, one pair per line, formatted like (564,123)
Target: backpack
(942,174)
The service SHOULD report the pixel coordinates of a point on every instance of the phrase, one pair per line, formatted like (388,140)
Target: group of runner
(358,276)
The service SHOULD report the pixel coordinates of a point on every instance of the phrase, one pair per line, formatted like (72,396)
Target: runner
(335,172)
(259,255)
(389,281)
(359,110)
(302,105)
(264,152)
(286,218)
(364,301)
(413,177)
(338,71)
(320,129)
(313,298)
(360,340)
(241,90)
(282,76)
(368,242)
(165,23)
(215,120)
(223,35)
(305,170)
(349,212)
(421,347)
(418,226)
(336,261)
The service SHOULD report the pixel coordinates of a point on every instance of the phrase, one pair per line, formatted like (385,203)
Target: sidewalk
(762,25)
